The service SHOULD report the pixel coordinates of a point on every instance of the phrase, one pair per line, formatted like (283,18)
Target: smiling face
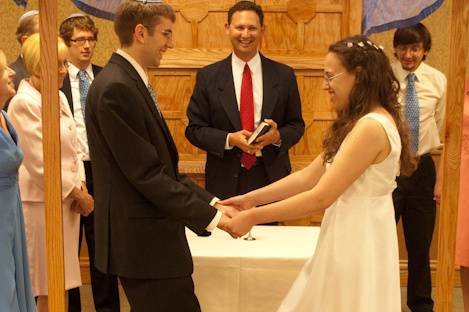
(245,32)
(410,55)
(338,82)
(7,87)
(156,44)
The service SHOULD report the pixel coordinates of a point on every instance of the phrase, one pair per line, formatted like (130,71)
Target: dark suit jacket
(67,89)
(20,70)
(142,202)
(20,73)
(213,113)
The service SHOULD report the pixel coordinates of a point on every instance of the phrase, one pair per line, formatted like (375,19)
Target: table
(249,276)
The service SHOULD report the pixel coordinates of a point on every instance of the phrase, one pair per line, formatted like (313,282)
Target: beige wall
(9,14)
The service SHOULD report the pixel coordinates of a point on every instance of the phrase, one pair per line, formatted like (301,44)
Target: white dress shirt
(77,112)
(143,74)
(430,85)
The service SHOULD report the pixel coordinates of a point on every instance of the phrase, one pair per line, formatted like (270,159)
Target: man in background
(423,93)
(231,97)
(28,24)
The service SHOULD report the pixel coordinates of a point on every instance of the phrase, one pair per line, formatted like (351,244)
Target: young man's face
(156,44)
(410,55)
(81,47)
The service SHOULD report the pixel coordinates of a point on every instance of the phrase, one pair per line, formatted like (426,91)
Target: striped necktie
(83,86)
(155,99)
(412,112)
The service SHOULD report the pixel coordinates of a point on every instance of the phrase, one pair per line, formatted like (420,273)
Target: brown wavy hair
(374,83)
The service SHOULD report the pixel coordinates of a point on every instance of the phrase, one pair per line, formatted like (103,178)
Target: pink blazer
(25,114)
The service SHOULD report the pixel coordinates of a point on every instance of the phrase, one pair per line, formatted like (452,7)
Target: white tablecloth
(237,275)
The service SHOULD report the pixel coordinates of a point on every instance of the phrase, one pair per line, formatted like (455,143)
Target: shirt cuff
(227,144)
(277,144)
(212,225)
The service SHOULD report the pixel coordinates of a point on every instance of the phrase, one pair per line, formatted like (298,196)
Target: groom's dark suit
(142,202)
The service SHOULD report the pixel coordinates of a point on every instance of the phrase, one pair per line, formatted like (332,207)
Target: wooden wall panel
(279,38)
(324,29)
(182,33)
(211,37)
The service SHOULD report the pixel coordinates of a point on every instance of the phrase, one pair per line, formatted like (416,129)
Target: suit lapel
(150,103)
(227,94)
(270,92)
(67,90)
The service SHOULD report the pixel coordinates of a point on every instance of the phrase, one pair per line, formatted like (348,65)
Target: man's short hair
(413,34)
(246,6)
(130,13)
(80,22)
(26,24)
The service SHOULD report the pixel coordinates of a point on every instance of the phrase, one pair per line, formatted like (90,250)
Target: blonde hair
(31,52)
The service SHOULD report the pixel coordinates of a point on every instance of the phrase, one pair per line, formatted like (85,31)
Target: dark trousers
(413,202)
(104,287)
(154,295)
(252,179)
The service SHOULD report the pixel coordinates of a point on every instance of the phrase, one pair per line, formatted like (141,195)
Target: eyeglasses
(415,48)
(328,78)
(81,41)
(167,33)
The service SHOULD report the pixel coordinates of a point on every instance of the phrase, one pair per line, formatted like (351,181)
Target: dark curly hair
(375,83)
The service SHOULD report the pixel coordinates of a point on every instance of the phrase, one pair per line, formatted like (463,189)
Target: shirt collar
(73,71)
(254,63)
(402,74)
(141,72)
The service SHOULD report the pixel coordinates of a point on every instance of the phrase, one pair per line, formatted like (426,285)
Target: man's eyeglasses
(81,41)
(414,48)
(167,33)
(328,78)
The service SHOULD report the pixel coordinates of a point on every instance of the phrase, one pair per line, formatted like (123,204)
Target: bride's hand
(241,202)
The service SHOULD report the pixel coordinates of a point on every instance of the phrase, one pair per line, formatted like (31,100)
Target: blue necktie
(153,96)
(83,86)
(412,112)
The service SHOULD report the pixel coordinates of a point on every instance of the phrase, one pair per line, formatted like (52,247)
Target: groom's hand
(223,225)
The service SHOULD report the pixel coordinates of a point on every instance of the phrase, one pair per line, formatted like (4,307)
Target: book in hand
(260,130)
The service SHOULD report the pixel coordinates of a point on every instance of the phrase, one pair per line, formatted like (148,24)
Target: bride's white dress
(355,267)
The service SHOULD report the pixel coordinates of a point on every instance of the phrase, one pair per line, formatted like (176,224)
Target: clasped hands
(240,139)
(83,203)
(235,220)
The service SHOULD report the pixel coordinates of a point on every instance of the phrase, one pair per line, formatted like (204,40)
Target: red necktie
(246,111)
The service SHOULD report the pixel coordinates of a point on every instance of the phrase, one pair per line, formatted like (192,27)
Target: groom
(142,202)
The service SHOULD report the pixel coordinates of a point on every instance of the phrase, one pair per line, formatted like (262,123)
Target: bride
(355,266)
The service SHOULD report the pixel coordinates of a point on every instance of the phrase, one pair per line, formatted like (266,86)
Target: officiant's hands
(241,202)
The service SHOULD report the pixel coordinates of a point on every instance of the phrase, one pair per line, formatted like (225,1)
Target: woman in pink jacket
(26,115)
